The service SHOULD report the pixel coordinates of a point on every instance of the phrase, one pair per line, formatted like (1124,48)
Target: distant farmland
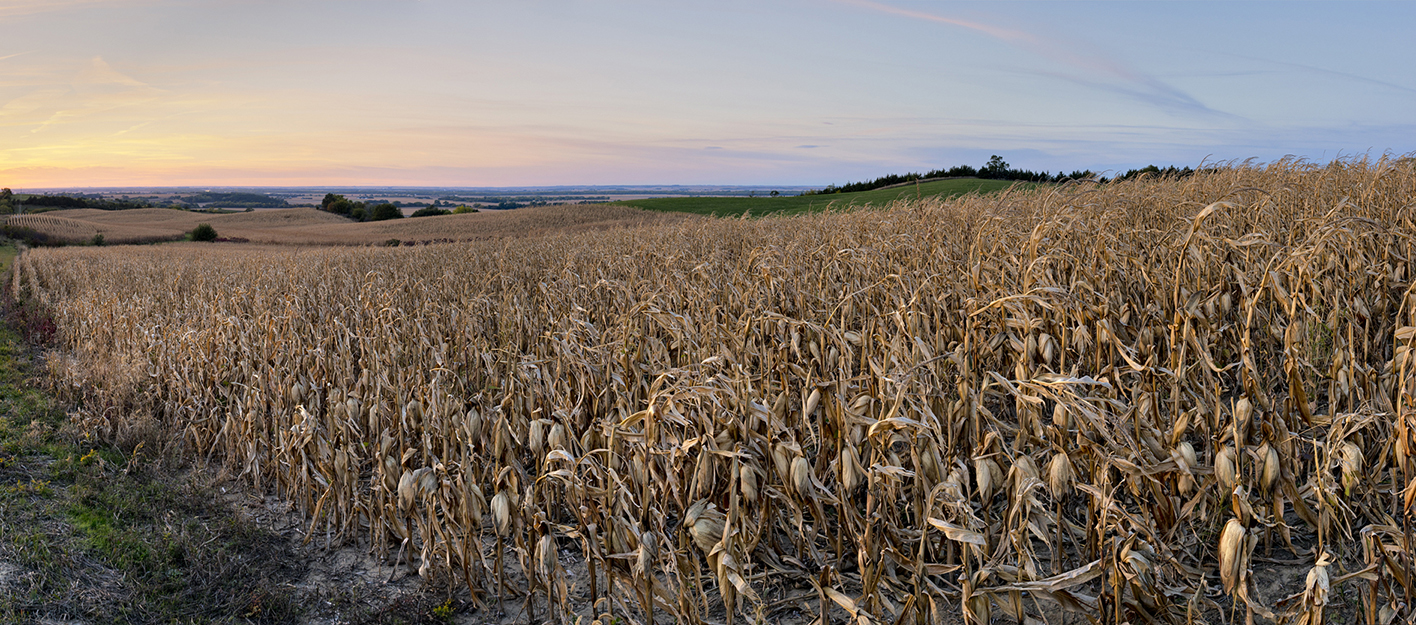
(796,204)
(309,226)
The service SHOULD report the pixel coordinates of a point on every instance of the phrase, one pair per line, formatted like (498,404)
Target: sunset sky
(468,93)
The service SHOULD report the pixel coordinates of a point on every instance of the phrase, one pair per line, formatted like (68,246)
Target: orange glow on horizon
(455,93)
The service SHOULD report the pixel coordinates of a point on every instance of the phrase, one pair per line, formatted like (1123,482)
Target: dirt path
(92,533)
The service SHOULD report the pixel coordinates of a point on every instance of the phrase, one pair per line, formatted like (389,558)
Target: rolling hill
(734,206)
(308,226)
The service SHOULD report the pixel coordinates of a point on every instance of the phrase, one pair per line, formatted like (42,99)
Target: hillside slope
(734,206)
(314,227)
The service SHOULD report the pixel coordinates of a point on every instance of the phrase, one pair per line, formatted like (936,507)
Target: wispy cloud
(96,88)
(99,72)
(56,118)
(1331,73)
(30,102)
(1090,69)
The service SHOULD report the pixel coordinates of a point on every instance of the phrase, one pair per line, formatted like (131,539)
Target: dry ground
(314,227)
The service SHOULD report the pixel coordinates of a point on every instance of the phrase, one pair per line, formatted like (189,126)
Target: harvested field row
(1127,400)
(57,227)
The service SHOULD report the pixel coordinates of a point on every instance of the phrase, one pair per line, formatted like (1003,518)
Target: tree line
(9,203)
(1168,172)
(995,169)
(233,200)
(363,211)
(39,203)
(359,211)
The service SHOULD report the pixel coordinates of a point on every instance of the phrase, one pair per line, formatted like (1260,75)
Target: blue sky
(458,92)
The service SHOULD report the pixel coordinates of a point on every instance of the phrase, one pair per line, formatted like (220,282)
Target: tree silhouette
(204,232)
(995,168)
(385,211)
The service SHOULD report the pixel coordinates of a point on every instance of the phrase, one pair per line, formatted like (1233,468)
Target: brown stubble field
(1153,401)
(308,226)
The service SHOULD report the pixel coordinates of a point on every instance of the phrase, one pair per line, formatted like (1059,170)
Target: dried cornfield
(1113,399)
(67,230)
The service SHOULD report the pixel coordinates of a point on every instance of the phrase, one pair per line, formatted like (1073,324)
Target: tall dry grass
(1112,397)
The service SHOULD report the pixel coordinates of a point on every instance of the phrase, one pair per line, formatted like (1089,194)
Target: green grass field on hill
(8,252)
(790,205)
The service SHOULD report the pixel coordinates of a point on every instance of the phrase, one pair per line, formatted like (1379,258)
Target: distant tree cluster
(1170,172)
(511,204)
(998,169)
(59,201)
(443,204)
(7,201)
(359,211)
(384,211)
(233,200)
(525,200)
(39,203)
(995,169)
(440,208)
(204,232)
(338,204)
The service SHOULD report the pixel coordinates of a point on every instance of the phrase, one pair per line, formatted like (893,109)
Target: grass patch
(797,204)
(106,534)
(89,533)
(8,252)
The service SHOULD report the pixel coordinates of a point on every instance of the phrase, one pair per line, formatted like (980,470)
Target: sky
(97,93)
